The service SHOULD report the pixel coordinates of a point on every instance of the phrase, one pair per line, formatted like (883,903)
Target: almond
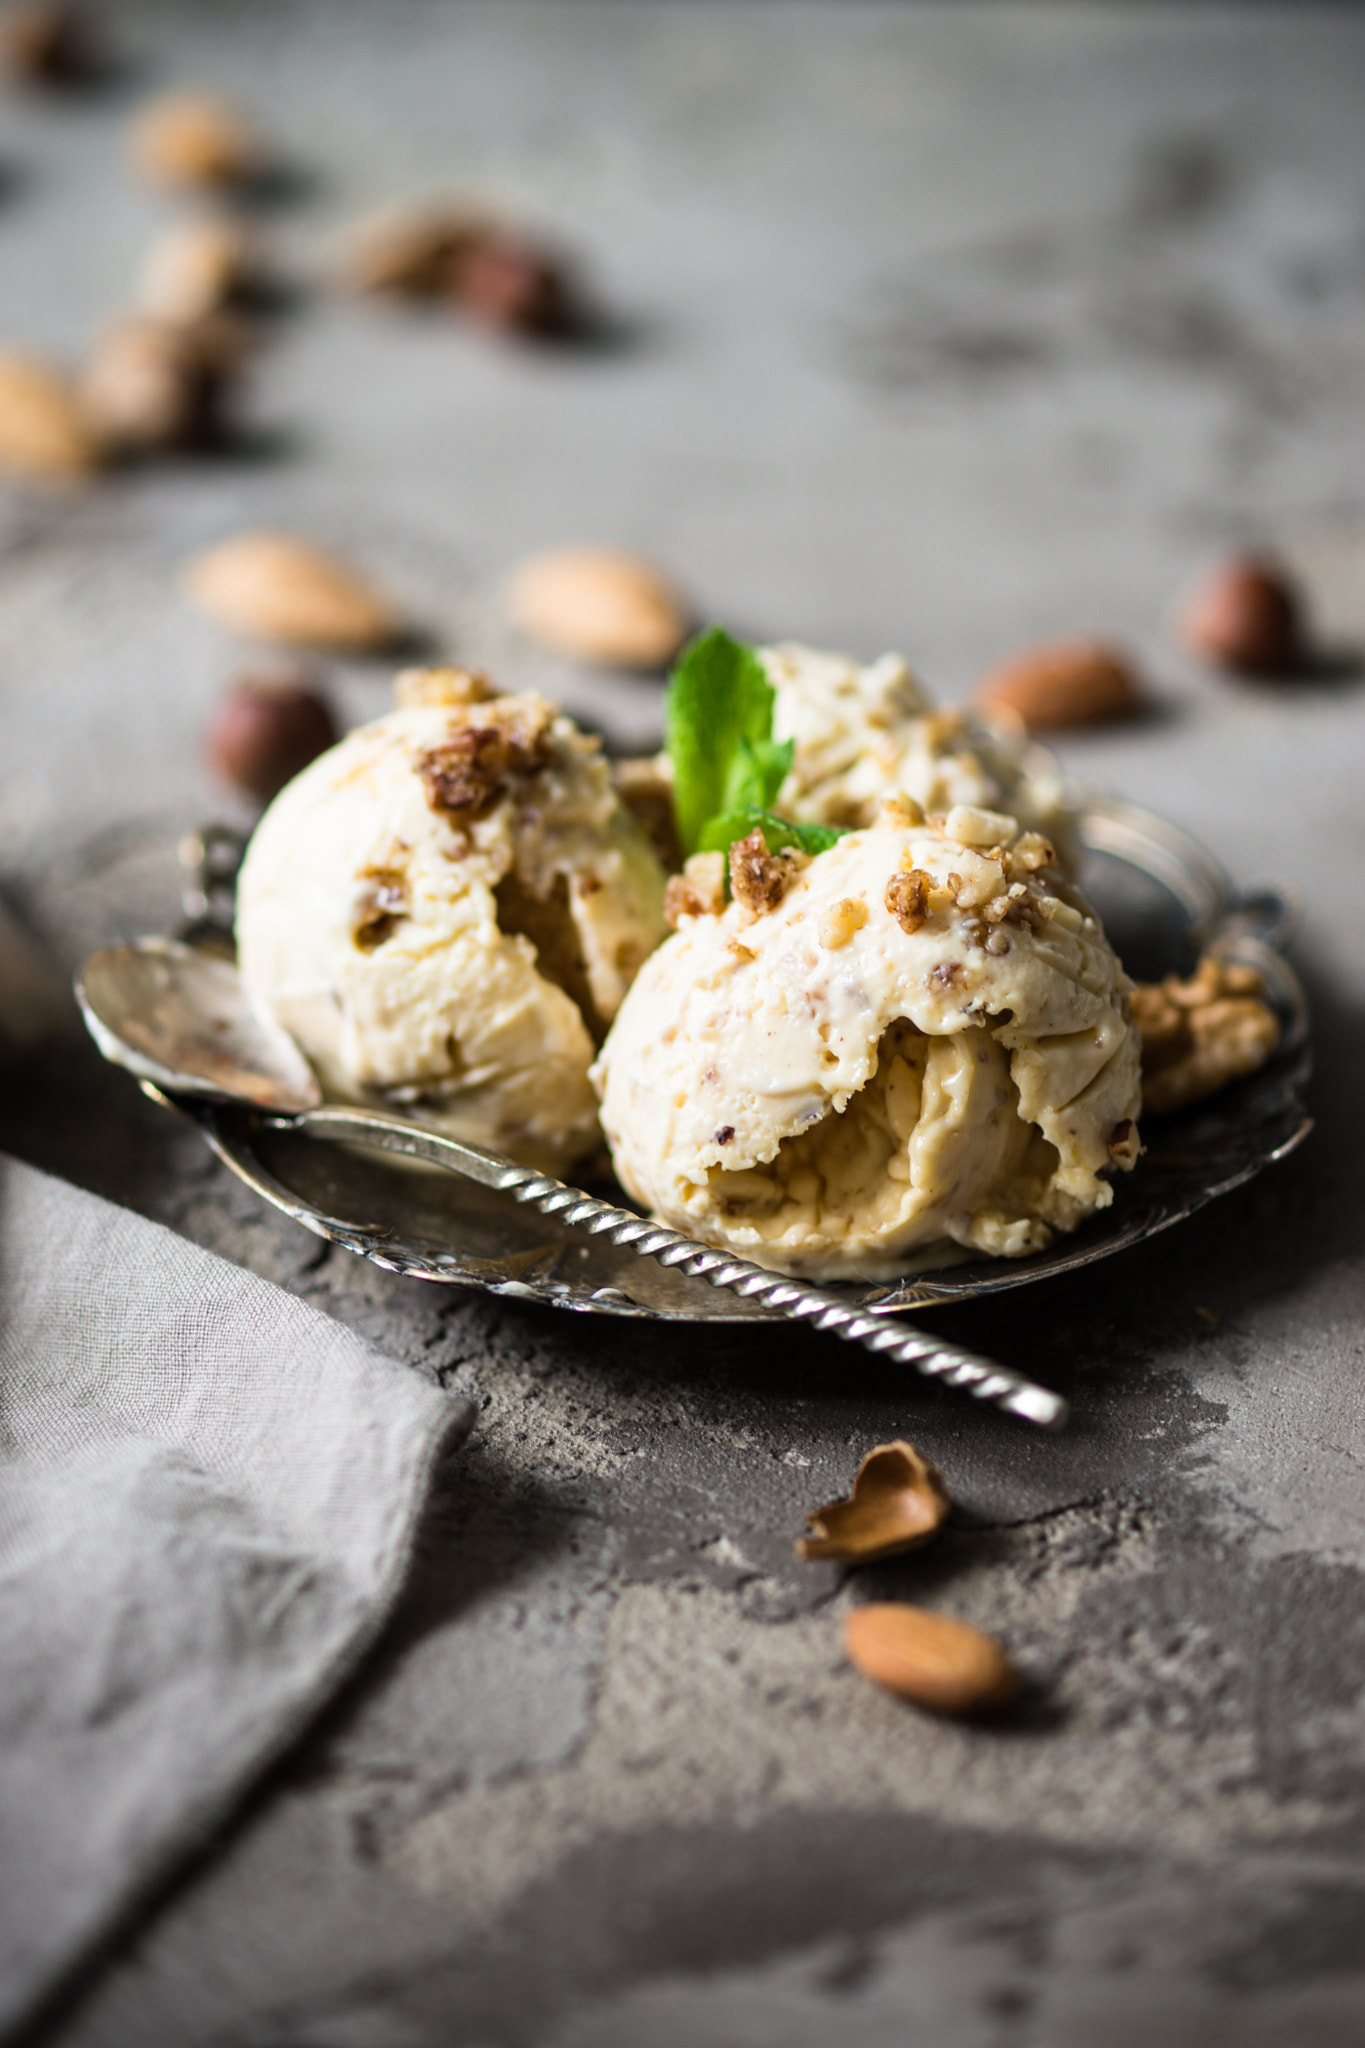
(898,1501)
(937,1662)
(194,139)
(44,433)
(598,605)
(275,587)
(1073,682)
(412,255)
(198,267)
(162,383)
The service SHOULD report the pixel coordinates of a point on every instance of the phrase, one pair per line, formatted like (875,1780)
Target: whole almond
(937,1662)
(411,255)
(44,433)
(598,605)
(276,587)
(198,267)
(194,139)
(153,383)
(1072,682)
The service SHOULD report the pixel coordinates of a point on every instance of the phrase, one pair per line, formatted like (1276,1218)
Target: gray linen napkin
(207,1499)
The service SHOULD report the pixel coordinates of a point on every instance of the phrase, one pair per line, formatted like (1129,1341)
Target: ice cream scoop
(919,1035)
(444,912)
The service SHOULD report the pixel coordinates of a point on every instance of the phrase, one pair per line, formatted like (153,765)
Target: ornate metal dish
(1163,899)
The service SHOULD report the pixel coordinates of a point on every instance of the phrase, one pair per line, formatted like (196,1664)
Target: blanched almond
(898,1501)
(598,605)
(44,433)
(937,1662)
(1073,682)
(275,587)
(191,139)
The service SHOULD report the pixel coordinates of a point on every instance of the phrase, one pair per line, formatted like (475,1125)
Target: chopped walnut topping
(907,898)
(900,809)
(837,927)
(1123,1143)
(415,687)
(1200,1034)
(383,905)
(1029,853)
(760,879)
(699,891)
(467,773)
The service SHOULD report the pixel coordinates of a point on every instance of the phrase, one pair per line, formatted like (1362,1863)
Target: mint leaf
(718,722)
(758,769)
(719,834)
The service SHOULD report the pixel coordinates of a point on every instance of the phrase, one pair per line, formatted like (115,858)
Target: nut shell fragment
(275,587)
(44,433)
(598,605)
(937,1662)
(898,1501)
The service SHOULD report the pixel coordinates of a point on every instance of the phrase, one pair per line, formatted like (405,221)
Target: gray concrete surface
(933,329)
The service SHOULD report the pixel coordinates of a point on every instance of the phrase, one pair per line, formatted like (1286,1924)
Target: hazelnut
(268,728)
(509,282)
(199,267)
(46,43)
(1247,616)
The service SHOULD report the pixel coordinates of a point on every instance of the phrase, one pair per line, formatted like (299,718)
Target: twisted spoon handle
(979,1377)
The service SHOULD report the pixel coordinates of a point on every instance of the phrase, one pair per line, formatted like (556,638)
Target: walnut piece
(699,891)
(467,773)
(907,898)
(1200,1034)
(760,879)
(898,1501)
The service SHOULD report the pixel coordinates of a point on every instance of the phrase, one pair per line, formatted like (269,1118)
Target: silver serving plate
(1164,900)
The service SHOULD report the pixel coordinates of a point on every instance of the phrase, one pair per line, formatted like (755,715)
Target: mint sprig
(727,767)
(718,725)
(721,833)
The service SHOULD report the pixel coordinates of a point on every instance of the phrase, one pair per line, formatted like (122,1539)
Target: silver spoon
(179,1017)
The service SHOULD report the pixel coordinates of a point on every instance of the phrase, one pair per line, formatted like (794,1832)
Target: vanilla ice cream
(445,912)
(865,730)
(920,1034)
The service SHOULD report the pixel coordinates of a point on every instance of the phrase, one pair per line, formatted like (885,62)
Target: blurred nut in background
(190,140)
(1247,616)
(45,436)
(1069,683)
(276,587)
(152,384)
(199,267)
(509,282)
(412,255)
(268,728)
(598,605)
(46,43)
